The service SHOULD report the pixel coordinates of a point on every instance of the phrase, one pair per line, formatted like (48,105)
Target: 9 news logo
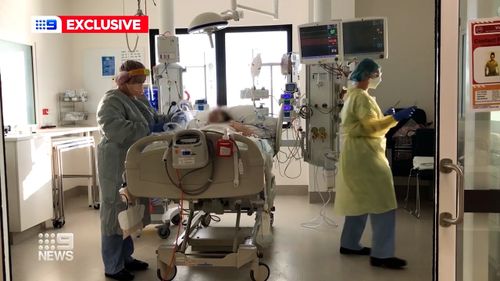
(56,247)
(90,24)
(46,24)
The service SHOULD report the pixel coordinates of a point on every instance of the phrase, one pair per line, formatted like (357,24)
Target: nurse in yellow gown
(364,184)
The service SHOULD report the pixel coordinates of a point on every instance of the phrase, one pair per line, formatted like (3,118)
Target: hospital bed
(239,184)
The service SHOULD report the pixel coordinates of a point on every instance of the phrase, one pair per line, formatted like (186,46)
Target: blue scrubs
(116,252)
(383,237)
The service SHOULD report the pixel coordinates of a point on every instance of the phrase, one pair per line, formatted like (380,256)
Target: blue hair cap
(363,70)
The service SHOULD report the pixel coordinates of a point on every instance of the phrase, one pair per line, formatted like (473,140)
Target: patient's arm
(241,128)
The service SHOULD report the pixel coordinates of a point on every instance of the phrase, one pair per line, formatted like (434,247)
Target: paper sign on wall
(485,65)
(137,56)
(108,65)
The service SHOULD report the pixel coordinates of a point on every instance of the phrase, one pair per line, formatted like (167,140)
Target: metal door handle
(446,219)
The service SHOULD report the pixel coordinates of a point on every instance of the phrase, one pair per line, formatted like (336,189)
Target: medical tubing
(215,218)
(317,221)
(288,163)
(236,168)
(334,69)
(126,199)
(126,34)
(178,91)
(172,258)
(165,66)
(305,112)
(294,154)
(170,108)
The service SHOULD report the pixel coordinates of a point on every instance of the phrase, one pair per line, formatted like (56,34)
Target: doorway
(468,213)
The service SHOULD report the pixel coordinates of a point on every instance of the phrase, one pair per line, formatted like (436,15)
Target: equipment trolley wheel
(176,220)
(262,275)
(59,223)
(164,231)
(206,220)
(271,215)
(97,206)
(172,273)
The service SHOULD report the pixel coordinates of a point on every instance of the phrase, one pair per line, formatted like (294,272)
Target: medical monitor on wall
(365,38)
(321,42)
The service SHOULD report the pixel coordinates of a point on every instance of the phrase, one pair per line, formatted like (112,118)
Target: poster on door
(485,64)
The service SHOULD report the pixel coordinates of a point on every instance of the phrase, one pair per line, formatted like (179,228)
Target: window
(198,58)
(241,48)
(16,68)
(220,73)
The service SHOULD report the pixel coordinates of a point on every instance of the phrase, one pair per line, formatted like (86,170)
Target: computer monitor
(321,42)
(365,38)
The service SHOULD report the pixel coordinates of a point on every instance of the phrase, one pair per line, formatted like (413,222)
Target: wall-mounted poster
(108,65)
(485,68)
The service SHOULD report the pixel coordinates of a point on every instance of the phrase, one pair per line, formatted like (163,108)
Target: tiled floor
(298,254)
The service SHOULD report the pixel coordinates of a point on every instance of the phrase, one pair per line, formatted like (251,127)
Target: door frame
(5,266)
(447,105)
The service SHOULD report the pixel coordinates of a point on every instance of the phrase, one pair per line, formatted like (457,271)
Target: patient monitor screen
(365,38)
(319,42)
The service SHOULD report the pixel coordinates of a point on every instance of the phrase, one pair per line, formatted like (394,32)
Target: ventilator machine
(167,74)
(330,51)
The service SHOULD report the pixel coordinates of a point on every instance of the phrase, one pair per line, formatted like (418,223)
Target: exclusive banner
(90,24)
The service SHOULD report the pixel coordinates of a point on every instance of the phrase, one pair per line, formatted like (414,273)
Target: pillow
(202,116)
(271,124)
(245,114)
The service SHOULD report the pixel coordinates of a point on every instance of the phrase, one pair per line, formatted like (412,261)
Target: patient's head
(218,115)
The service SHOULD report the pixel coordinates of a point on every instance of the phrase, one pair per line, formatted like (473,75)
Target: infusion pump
(189,150)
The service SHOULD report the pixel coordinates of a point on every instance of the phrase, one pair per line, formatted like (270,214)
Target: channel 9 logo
(56,246)
(46,24)
(90,24)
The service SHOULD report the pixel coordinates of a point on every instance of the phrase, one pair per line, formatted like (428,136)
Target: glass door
(468,211)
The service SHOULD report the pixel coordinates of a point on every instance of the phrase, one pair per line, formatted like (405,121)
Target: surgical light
(212,22)
(208,23)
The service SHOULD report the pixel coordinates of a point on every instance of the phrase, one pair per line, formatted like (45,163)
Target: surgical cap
(364,69)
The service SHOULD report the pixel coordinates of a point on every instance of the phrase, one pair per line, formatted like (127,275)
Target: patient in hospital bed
(220,119)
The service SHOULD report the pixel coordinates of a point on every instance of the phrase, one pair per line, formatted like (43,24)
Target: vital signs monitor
(321,43)
(365,38)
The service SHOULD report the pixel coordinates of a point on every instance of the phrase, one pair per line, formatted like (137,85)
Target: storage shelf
(72,112)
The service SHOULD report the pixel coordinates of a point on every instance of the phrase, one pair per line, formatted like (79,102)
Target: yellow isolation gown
(364,183)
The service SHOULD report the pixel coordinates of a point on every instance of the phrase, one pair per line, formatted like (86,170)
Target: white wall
(408,74)
(52,55)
